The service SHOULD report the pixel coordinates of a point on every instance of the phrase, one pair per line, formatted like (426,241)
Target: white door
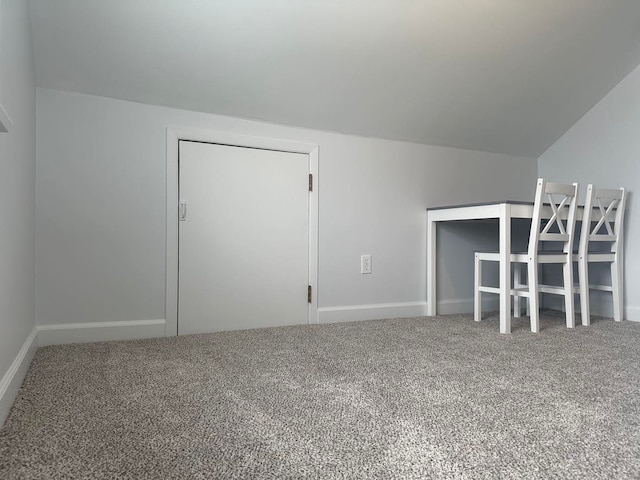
(244,240)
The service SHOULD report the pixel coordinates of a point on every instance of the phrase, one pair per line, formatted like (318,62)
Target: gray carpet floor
(440,397)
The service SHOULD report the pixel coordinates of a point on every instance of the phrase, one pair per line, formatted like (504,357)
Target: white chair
(605,208)
(560,202)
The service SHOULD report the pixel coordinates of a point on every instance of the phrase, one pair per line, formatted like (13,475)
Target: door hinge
(309,294)
(311,182)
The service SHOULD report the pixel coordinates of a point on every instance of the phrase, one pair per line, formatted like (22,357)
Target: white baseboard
(490,303)
(602,308)
(352,313)
(632,314)
(12,379)
(99,331)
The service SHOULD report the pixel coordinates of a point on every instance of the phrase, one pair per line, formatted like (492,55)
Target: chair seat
(541,252)
(544,256)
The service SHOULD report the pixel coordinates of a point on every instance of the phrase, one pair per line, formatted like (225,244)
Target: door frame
(174,135)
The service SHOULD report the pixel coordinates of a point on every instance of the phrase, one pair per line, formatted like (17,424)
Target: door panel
(244,246)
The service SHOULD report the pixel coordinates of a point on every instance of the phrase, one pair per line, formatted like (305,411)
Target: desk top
(481,204)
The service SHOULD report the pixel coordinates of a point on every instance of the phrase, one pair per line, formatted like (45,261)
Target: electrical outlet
(365,264)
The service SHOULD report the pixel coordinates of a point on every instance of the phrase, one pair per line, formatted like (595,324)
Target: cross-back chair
(602,224)
(557,203)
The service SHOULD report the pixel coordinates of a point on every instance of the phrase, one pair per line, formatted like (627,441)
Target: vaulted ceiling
(501,76)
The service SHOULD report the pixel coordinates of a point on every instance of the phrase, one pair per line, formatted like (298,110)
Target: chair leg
(477,295)
(527,307)
(616,284)
(517,283)
(528,304)
(533,296)
(583,281)
(567,270)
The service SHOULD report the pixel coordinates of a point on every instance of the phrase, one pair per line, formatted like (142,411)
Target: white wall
(101,208)
(603,148)
(17,197)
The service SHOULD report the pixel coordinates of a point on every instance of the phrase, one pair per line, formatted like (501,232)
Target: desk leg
(431,267)
(505,269)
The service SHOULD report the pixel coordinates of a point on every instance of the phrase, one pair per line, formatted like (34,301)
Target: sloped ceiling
(501,76)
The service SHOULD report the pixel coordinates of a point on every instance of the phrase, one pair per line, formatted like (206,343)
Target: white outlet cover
(365,264)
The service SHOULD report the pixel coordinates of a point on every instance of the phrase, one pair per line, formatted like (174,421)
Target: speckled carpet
(439,397)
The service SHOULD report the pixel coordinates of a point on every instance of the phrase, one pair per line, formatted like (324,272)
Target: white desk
(504,211)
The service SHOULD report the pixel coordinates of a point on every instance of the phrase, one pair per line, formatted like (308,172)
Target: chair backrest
(559,200)
(603,218)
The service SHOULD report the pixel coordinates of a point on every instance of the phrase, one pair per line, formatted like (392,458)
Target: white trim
(632,314)
(99,331)
(5,121)
(314,169)
(352,313)
(490,303)
(603,308)
(174,135)
(13,378)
